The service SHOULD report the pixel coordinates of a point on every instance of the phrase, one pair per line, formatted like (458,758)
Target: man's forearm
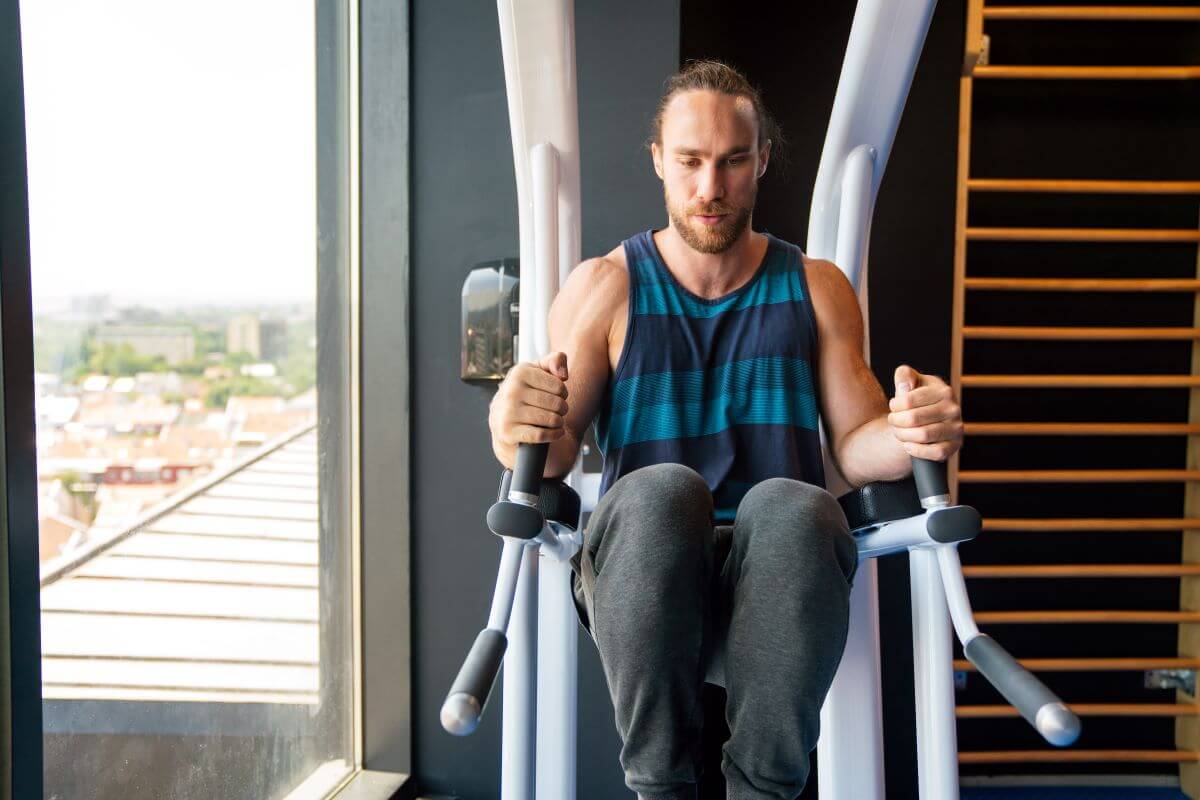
(871,452)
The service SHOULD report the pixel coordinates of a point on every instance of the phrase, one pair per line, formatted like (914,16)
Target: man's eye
(690,162)
(733,162)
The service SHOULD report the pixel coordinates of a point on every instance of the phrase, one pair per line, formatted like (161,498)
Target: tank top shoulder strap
(640,255)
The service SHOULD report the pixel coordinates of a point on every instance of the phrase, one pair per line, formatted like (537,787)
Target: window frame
(20,600)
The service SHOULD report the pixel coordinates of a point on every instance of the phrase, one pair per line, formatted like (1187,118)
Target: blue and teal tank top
(726,386)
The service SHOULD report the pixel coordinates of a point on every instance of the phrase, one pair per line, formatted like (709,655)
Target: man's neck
(711,275)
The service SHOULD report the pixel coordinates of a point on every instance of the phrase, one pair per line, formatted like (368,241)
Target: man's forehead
(707,115)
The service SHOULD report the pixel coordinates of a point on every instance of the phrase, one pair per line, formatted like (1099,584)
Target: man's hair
(716,76)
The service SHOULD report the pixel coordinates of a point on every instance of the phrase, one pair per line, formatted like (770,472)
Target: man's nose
(709,186)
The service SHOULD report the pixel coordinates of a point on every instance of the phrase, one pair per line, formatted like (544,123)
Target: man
(703,352)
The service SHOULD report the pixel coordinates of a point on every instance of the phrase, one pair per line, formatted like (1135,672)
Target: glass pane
(195,603)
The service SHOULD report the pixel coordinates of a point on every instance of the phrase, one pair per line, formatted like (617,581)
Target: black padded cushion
(558,502)
(881,501)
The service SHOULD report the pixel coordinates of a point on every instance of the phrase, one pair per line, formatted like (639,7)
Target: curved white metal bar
(854,212)
(537,39)
(886,39)
(956,593)
(506,584)
(885,44)
(538,44)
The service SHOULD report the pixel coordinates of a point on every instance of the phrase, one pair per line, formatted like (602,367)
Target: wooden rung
(1079,381)
(1130,73)
(1077,475)
(1082,285)
(1093,664)
(1084,524)
(1068,755)
(1095,333)
(1088,710)
(1082,186)
(1083,234)
(1086,617)
(1080,429)
(1081,571)
(1108,13)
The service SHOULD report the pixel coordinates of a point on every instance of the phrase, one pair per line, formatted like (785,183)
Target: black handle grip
(930,477)
(531,463)
(1040,707)
(469,694)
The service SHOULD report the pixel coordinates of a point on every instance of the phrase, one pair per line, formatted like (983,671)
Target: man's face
(710,163)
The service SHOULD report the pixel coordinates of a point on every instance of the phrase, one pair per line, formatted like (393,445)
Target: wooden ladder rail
(975,65)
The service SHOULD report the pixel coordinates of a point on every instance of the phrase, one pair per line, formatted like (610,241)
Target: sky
(171,149)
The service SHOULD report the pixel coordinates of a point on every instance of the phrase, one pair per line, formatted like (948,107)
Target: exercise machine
(532,627)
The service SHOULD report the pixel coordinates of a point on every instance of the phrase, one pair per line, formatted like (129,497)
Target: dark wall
(796,61)
(464,212)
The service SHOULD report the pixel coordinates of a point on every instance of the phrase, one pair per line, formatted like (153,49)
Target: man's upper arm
(581,322)
(850,394)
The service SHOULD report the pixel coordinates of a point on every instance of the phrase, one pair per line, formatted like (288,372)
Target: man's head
(710,142)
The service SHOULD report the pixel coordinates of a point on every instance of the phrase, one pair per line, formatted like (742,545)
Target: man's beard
(709,239)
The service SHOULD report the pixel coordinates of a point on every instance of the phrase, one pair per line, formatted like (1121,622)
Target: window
(194,508)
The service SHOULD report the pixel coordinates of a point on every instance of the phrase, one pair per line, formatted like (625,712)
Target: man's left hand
(924,416)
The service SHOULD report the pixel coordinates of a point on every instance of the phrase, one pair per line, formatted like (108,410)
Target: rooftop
(209,596)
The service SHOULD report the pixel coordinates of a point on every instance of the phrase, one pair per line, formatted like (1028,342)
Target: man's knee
(655,510)
(799,516)
(663,492)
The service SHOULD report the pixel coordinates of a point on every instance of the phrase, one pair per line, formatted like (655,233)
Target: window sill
(330,782)
(369,784)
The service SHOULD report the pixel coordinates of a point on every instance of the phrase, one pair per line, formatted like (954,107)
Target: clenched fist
(925,416)
(531,403)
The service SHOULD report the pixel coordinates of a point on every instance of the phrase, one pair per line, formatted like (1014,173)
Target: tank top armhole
(630,318)
(810,309)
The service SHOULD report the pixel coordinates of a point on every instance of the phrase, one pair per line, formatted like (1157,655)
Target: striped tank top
(726,386)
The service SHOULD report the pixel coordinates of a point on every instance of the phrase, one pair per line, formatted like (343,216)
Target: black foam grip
(531,463)
(479,671)
(558,502)
(930,477)
(1028,694)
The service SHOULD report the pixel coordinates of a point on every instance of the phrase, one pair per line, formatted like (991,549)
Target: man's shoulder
(603,280)
(826,278)
(595,293)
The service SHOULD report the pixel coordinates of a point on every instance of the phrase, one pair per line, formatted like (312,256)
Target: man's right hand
(531,403)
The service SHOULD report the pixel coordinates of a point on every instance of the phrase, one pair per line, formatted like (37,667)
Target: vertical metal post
(520,687)
(850,749)
(557,667)
(933,676)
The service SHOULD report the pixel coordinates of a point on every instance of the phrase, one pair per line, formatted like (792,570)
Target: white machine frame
(533,604)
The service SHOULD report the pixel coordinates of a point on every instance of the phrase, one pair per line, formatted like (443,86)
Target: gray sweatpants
(656,582)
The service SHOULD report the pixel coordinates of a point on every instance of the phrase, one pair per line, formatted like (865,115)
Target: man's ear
(764,155)
(656,157)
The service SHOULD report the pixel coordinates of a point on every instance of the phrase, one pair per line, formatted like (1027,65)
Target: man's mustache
(710,210)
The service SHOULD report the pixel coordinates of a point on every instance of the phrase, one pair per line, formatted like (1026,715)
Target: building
(265,339)
(175,343)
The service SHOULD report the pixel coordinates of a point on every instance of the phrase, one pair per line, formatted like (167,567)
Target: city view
(134,404)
